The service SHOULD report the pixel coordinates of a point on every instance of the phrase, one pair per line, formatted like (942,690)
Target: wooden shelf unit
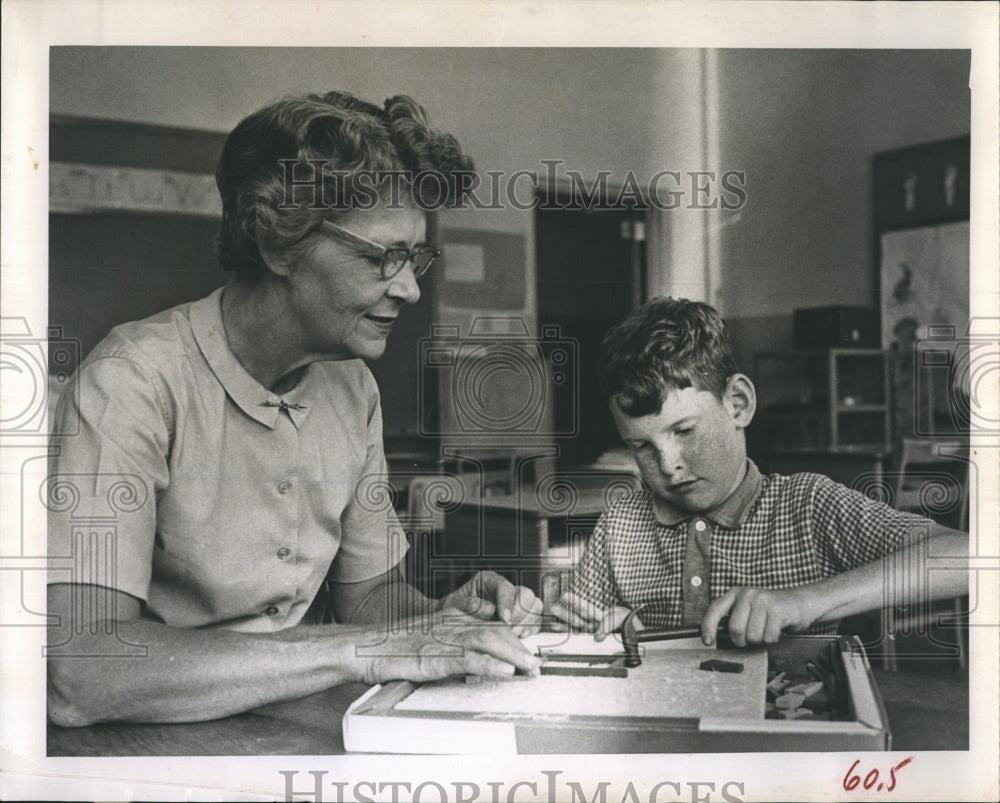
(829,398)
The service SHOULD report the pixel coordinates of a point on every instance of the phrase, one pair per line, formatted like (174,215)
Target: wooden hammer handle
(667,634)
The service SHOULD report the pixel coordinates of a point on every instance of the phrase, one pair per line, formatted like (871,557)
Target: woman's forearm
(186,675)
(191,675)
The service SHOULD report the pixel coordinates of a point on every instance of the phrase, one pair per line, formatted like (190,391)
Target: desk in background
(533,536)
(855,467)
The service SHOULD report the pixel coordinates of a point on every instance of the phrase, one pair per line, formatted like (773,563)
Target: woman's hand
(447,643)
(757,615)
(488,595)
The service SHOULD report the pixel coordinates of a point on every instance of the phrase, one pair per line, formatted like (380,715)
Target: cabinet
(823,399)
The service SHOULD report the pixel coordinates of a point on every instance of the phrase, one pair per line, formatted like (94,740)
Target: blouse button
(272,610)
(696,581)
(699,526)
(284,552)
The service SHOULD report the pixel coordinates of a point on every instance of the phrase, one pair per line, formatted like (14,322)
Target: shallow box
(374,725)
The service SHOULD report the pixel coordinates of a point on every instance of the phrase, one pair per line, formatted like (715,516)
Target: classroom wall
(805,126)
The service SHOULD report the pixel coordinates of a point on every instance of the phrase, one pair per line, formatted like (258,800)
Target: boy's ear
(740,399)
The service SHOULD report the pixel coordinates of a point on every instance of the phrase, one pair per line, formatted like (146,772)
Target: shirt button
(699,526)
(271,610)
(284,487)
(284,552)
(696,581)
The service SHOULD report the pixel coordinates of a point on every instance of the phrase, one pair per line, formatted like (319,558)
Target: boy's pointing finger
(714,614)
(575,612)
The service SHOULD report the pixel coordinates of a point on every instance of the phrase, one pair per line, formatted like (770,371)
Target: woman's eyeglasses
(393,260)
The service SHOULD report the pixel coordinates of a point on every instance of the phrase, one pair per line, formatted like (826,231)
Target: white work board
(668,683)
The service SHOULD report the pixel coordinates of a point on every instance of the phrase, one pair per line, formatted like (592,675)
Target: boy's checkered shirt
(797,530)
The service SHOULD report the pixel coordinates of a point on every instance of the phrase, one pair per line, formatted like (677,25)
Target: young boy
(710,536)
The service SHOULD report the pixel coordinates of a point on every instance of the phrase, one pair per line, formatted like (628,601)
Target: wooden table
(925,713)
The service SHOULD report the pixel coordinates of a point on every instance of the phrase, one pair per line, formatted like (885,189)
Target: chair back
(932,479)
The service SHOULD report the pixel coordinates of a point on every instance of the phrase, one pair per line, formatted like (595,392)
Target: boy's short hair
(667,344)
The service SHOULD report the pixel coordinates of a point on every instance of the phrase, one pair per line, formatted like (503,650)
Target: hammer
(632,638)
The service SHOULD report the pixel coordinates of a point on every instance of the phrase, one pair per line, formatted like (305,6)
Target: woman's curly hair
(330,146)
(667,344)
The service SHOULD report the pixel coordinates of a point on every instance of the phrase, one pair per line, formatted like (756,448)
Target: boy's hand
(757,615)
(580,616)
(489,595)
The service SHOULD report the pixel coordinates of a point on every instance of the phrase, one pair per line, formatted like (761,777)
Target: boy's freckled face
(693,452)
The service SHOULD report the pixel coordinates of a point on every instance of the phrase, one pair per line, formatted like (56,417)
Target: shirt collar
(731,512)
(257,401)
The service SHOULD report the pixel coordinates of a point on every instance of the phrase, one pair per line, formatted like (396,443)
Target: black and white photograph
(500,401)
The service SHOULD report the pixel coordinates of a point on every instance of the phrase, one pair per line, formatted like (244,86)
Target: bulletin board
(921,218)
(484,269)
(922,228)
(133,215)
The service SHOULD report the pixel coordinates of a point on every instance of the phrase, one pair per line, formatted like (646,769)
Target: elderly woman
(226,441)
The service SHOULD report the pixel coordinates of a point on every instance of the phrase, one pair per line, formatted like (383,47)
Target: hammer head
(632,637)
(630,642)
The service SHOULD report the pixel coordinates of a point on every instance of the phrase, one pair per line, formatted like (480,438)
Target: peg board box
(380,722)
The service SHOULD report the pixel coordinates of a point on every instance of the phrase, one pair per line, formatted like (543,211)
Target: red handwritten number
(892,773)
(851,781)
